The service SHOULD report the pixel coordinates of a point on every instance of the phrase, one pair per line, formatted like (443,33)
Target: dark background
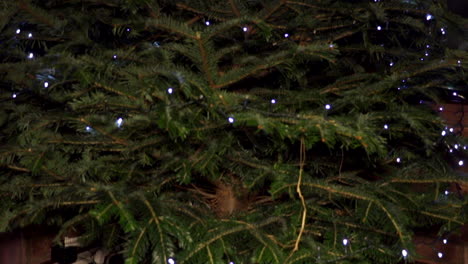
(459,7)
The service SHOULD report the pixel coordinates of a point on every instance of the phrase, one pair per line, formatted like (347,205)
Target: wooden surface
(29,246)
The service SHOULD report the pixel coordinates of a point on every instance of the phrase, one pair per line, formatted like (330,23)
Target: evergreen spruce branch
(304,255)
(213,13)
(116,140)
(364,219)
(333,27)
(130,222)
(113,90)
(234,8)
(38,14)
(344,35)
(74,203)
(133,258)
(99,216)
(156,221)
(51,173)
(401,194)
(8,10)
(297,9)
(242,226)
(106,105)
(189,212)
(260,236)
(271,11)
(320,50)
(210,255)
(145,143)
(71,142)
(197,11)
(424,181)
(44,168)
(250,164)
(45,185)
(219,54)
(450,63)
(312,6)
(386,193)
(448,219)
(221,28)
(347,192)
(16,168)
(168,24)
(392,217)
(236,75)
(189,76)
(35,208)
(206,66)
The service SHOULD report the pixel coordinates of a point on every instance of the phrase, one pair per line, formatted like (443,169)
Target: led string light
(119,122)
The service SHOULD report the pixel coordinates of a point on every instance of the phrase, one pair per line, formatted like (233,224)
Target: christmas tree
(283,131)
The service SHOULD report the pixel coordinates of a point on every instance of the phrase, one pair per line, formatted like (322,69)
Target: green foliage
(283,181)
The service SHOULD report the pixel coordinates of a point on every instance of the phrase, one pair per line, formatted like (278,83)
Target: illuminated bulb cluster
(171,261)
(404,253)
(442,30)
(119,122)
(345,242)
(18,31)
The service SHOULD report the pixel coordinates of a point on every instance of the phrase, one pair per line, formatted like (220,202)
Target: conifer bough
(229,131)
